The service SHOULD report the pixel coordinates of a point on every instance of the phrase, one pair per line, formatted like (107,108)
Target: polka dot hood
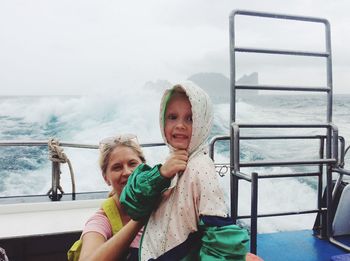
(202,115)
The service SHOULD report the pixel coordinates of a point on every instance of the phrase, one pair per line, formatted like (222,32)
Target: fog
(85,47)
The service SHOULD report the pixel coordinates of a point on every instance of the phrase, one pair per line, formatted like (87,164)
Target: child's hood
(202,113)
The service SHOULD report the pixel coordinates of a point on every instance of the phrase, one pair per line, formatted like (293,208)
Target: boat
(47,225)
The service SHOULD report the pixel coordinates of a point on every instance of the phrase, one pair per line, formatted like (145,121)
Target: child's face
(178,122)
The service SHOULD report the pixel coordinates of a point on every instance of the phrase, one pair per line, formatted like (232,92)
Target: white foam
(87,119)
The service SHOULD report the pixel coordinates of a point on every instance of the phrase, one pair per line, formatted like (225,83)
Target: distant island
(216,85)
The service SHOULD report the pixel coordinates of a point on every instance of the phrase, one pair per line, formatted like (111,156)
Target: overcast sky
(84,47)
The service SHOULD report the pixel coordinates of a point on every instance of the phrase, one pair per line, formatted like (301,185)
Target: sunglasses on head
(118,139)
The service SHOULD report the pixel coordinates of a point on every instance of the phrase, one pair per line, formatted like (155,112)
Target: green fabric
(223,243)
(114,218)
(218,243)
(166,101)
(141,194)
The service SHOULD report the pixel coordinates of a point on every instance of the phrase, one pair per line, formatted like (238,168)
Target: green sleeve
(142,191)
(228,242)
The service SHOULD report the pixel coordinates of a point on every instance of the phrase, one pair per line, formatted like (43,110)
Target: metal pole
(234,151)
(323,217)
(329,182)
(254,213)
(329,133)
(56,172)
(329,72)
(235,164)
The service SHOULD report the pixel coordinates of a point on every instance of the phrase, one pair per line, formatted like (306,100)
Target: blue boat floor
(297,246)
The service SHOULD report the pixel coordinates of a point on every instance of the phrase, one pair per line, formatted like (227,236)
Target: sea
(87,119)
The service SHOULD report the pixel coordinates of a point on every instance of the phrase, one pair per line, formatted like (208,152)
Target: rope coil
(56,154)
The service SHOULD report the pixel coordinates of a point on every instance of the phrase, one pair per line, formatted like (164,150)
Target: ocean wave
(87,119)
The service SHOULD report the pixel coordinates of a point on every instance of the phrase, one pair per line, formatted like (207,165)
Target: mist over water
(88,119)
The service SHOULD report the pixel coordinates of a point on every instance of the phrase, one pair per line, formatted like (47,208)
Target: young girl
(191,221)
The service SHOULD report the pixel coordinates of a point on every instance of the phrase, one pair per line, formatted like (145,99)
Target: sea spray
(87,119)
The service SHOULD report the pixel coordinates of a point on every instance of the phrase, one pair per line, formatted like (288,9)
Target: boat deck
(297,246)
(30,219)
(42,231)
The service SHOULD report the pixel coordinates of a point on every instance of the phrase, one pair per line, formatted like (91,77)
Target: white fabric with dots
(193,194)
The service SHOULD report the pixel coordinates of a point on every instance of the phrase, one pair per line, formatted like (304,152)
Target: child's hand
(176,162)
(252,257)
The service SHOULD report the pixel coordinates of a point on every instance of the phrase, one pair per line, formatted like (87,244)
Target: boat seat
(345,257)
(341,222)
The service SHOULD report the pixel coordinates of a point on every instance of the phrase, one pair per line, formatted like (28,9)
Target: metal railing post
(323,214)
(234,167)
(254,213)
(55,182)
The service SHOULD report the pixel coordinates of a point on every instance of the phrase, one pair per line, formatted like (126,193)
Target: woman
(119,156)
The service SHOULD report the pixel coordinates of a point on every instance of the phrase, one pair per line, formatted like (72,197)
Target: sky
(71,47)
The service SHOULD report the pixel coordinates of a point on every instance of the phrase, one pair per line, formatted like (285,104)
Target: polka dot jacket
(192,212)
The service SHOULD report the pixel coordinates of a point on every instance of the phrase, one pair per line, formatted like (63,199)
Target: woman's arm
(95,247)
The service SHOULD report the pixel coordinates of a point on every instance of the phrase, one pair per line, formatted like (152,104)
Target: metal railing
(55,193)
(254,177)
(329,142)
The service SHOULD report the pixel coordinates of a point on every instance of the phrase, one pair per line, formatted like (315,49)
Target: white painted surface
(26,219)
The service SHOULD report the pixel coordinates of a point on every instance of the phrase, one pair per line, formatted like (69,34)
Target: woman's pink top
(99,223)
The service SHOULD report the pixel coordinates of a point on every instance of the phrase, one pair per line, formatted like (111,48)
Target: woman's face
(123,160)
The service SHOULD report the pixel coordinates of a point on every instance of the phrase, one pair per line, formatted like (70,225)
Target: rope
(56,154)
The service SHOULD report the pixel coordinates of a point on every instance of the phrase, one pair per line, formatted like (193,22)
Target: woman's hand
(176,162)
